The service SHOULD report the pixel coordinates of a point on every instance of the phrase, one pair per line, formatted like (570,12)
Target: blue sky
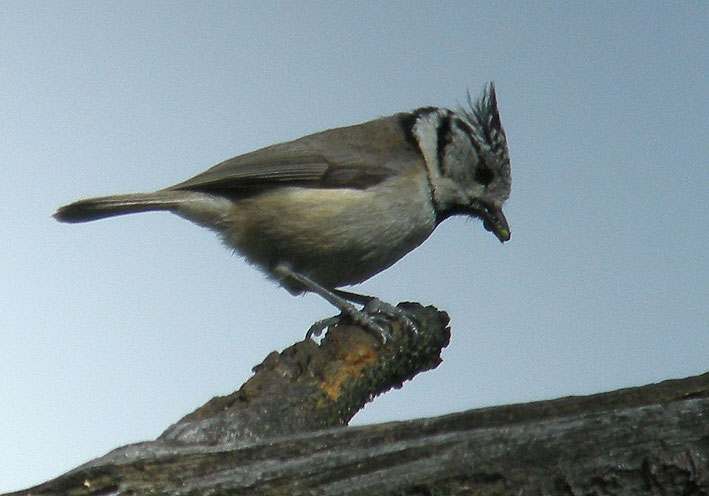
(113,330)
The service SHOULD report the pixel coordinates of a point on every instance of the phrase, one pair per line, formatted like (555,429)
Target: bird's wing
(352,157)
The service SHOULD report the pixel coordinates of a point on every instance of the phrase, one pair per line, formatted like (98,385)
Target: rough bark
(268,437)
(312,386)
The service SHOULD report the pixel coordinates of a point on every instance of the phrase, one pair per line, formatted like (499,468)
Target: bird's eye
(484,175)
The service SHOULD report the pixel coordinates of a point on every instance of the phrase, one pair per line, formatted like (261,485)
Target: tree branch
(263,438)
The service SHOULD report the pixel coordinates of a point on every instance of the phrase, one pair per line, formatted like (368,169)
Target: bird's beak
(495,222)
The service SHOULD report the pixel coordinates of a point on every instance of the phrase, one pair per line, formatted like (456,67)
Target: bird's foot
(376,317)
(361,318)
(382,310)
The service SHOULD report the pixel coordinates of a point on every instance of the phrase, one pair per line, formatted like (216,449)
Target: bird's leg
(355,297)
(360,317)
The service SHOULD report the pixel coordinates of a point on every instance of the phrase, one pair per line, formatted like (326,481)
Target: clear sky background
(113,330)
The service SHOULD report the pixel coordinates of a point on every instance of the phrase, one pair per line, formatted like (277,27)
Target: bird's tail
(108,206)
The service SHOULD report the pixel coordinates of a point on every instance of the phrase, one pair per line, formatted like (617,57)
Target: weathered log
(268,437)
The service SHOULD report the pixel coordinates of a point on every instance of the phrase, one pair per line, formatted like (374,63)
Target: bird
(334,208)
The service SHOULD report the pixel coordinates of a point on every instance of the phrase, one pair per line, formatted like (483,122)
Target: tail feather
(108,206)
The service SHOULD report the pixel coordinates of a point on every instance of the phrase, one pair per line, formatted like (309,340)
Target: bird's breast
(336,236)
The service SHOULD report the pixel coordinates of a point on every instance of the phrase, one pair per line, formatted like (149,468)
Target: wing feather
(355,156)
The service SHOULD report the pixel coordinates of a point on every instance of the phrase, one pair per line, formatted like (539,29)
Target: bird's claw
(378,308)
(375,317)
